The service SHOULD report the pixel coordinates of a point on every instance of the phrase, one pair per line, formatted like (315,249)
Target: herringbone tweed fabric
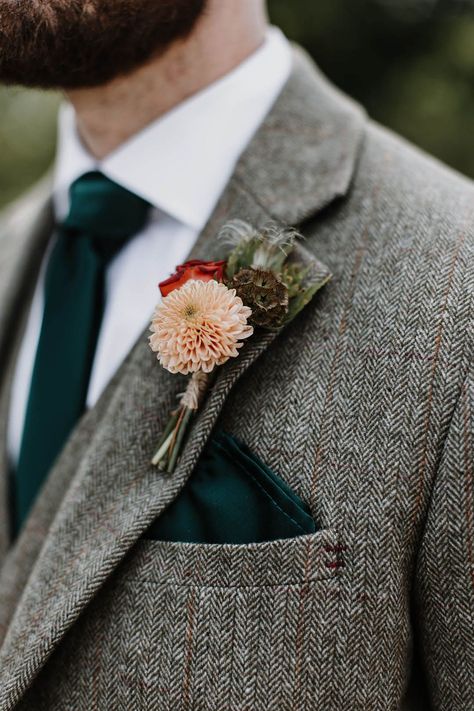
(364,404)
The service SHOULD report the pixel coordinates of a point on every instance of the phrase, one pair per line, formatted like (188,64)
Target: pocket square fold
(232,497)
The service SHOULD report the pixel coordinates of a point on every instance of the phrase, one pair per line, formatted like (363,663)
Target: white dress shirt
(180,164)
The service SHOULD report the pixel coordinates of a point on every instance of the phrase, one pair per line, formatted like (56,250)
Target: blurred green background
(410,62)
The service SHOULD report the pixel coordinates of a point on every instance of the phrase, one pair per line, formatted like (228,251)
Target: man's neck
(108,115)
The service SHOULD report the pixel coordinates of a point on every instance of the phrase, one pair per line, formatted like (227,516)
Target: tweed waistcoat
(363,405)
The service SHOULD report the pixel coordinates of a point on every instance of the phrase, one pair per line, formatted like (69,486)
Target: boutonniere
(209,309)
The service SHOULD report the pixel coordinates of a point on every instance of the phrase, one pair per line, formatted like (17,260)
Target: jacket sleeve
(444,583)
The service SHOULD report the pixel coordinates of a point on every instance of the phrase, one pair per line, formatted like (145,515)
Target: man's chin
(54,44)
(44,79)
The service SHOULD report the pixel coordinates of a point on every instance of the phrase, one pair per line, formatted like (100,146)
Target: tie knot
(104,209)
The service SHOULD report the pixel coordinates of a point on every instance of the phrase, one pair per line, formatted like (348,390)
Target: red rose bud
(194,269)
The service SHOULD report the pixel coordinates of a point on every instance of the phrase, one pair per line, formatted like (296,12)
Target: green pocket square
(232,497)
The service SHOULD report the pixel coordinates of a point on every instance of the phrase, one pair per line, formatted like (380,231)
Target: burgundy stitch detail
(334,564)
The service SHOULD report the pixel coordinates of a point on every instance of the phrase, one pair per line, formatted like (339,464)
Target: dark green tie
(103,216)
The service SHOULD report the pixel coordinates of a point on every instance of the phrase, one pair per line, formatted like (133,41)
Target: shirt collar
(181,162)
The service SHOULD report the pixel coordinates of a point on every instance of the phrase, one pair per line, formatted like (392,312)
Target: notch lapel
(24,230)
(115,493)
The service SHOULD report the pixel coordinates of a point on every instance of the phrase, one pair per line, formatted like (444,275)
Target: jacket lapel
(115,494)
(24,231)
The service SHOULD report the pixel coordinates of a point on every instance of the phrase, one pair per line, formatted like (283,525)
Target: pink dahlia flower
(198,326)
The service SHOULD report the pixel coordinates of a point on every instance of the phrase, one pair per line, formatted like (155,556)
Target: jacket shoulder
(402,242)
(414,187)
(422,216)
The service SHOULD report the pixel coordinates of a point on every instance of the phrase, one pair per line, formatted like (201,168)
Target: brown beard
(79,43)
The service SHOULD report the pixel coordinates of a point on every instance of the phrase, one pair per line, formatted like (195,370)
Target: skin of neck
(226,34)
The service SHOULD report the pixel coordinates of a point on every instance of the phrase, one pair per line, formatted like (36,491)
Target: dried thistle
(264,293)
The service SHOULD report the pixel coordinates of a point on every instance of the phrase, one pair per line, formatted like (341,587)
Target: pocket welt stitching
(287,562)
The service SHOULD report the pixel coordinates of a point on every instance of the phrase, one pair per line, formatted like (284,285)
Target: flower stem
(171,440)
(162,450)
(180,433)
(165,439)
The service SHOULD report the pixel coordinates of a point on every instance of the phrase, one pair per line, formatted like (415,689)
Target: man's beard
(81,43)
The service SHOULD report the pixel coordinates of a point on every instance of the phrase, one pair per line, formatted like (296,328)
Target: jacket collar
(300,160)
(304,154)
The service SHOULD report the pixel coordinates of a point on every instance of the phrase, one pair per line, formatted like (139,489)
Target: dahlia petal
(199,326)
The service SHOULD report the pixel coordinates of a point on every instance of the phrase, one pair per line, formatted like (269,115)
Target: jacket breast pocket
(207,627)
(233,626)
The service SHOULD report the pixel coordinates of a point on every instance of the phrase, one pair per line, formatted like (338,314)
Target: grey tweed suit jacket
(364,405)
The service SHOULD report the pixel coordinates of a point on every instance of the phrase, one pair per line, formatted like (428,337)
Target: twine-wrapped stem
(174,433)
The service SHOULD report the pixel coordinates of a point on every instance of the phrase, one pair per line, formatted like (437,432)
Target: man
(357,418)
